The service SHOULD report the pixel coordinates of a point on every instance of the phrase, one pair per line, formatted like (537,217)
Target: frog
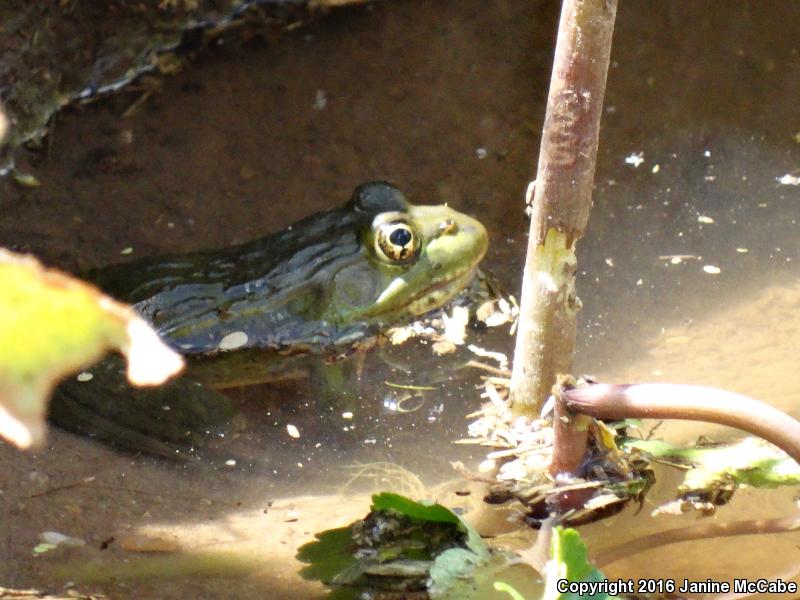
(320,290)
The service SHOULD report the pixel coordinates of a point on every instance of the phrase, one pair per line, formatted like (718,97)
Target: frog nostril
(448,227)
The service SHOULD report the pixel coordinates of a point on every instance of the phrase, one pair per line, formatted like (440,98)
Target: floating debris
(530,192)
(320,100)
(446,328)
(677,259)
(498,312)
(705,219)
(712,270)
(500,357)
(635,159)
(789,179)
(293,431)
(59,539)
(26,180)
(487,466)
(455,325)
(522,453)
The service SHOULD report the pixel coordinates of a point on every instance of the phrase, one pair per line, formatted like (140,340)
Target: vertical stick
(562,201)
(570,433)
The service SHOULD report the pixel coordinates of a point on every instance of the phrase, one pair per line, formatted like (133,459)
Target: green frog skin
(244,314)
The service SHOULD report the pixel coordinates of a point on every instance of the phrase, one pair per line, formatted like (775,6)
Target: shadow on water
(701,95)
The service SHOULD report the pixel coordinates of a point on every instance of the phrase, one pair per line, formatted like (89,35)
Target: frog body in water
(242,314)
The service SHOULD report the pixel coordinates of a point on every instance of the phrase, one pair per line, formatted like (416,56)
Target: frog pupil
(400,237)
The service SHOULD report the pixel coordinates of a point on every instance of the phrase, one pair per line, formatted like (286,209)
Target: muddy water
(445,99)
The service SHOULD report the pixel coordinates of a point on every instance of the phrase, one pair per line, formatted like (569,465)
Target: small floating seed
(26,179)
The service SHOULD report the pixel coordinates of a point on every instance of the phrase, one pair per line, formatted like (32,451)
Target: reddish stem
(688,402)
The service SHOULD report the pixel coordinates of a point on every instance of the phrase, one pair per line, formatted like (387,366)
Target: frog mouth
(440,292)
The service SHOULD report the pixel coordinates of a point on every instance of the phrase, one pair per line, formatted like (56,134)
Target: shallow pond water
(446,100)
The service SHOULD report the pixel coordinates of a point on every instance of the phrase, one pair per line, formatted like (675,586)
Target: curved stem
(689,402)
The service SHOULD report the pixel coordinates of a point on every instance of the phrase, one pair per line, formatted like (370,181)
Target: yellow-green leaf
(50,326)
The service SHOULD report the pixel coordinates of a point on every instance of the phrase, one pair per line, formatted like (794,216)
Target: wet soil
(446,99)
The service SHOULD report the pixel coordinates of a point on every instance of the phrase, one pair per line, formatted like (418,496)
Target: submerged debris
(523,448)
(484,304)
(17,594)
(713,472)
(401,549)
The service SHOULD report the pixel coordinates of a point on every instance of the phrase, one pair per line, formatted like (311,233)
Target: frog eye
(396,241)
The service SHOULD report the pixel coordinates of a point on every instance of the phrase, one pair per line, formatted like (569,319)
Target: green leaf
(430,512)
(569,561)
(501,586)
(750,461)
(51,325)
(450,566)
(43,547)
(415,510)
(400,545)
(329,556)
